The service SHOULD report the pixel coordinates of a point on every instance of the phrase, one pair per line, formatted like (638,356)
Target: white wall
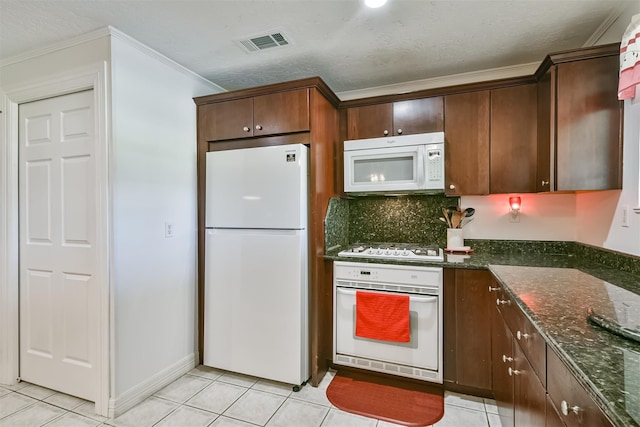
(153,180)
(542,217)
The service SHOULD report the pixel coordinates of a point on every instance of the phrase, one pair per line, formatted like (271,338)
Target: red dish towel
(382,317)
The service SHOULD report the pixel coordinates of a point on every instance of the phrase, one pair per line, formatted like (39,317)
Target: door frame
(92,77)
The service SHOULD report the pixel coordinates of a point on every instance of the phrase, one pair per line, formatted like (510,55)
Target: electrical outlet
(625,216)
(168,229)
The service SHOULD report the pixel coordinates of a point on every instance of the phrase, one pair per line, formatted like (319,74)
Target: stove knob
(379,251)
(405,252)
(388,251)
(397,252)
(370,251)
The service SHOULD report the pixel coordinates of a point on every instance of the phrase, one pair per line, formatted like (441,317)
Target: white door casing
(59,293)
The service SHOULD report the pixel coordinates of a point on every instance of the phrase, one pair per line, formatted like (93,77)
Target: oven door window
(421,351)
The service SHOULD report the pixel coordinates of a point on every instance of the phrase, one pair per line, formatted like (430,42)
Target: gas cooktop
(407,251)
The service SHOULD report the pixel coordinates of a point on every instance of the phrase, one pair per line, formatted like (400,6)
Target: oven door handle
(412,297)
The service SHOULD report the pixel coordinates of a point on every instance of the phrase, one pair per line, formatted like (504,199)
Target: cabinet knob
(399,131)
(258,127)
(506,358)
(452,187)
(566,408)
(491,289)
(502,301)
(246,128)
(385,133)
(544,182)
(521,336)
(513,372)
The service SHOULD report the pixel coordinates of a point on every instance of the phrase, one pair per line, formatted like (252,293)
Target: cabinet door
(226,120)
(418,116)
(528,393)
(473,329)
(466,133)
(566,393)
(513,139)
(370,121)
(589,142)
(553,417)
(282,112)
(501,356)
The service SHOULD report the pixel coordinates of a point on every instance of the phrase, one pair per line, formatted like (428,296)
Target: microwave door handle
(422,160)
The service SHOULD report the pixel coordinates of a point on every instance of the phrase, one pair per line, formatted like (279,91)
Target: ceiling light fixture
(374,3)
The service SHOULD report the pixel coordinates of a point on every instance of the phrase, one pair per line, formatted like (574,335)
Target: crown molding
(84,38)
(109,31)
(438,82)
(606,24)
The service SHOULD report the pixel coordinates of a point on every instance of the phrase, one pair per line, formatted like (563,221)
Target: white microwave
(398,164)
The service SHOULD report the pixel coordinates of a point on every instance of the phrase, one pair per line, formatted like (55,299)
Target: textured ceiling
(349,46)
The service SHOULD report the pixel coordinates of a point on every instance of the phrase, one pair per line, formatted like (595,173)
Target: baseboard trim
(139,392)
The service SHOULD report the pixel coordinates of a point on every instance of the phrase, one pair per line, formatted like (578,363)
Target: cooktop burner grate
(404,251)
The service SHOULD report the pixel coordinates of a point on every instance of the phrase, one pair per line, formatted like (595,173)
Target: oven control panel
(389,274)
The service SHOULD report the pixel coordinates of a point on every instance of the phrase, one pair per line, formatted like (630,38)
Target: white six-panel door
(59,313)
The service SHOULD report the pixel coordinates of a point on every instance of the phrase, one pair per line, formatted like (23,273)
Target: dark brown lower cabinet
(517,389)
(553,418)
(528,393)
(467,332)
(572,401)
(502,356)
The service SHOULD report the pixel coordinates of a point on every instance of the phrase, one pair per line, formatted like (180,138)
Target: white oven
(421,356)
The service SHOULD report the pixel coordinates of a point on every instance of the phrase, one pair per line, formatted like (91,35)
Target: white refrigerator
(256,271)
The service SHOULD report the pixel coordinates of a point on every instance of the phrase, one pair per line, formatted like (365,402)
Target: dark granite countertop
(555,292)
(556,300)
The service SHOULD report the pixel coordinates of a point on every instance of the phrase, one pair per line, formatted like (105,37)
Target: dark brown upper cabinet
(395,118)
(466,135)
(580,121)
(272,114)
(513,139)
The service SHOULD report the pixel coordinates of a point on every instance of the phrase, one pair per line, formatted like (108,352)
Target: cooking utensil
(456,218)
(447,215)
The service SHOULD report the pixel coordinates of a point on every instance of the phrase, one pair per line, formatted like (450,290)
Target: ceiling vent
(264,41)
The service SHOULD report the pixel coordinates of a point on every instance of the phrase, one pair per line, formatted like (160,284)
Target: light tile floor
(209,397)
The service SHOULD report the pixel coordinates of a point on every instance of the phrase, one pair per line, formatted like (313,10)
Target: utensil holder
(455,239)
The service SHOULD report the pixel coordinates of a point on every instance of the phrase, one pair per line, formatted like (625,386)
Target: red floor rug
(388,399)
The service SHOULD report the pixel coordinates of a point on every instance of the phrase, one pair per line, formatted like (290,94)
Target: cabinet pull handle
(506,358)
(521,335)
(246,128)
(502,301)
(566,408)
(545,182)
(258,127)
(513,372)
(452,187)
(399,131)
(386,132)
(491,289)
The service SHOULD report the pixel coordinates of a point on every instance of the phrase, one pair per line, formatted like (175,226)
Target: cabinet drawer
(525,334)
(576,407)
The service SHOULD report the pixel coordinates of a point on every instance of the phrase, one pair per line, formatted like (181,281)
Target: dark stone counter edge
(578,374)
